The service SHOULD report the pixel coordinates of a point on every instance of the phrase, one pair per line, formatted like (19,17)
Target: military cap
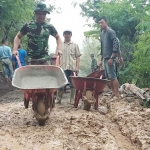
(41,7)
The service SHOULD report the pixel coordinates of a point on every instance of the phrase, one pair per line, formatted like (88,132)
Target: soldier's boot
(72,95)
(59,96)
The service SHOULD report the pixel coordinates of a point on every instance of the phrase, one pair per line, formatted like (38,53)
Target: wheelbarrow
(39,83)
(83,84)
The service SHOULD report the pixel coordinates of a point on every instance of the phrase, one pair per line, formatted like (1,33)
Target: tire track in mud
(67,129)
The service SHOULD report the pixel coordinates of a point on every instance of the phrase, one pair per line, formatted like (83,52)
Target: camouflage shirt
(38,34)
(94,64)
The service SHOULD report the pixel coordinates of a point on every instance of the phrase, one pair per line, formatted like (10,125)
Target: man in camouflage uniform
(94,63)
(38,32)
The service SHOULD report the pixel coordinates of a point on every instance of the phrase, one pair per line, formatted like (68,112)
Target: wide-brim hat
(41,7)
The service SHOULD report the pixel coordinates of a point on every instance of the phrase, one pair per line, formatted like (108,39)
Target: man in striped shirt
(69,62)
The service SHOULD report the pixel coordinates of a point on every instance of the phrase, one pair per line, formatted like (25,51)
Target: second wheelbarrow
(82,84)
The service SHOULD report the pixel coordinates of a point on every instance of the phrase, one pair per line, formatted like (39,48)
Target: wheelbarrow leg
(50,100)
(26,99)
(77,98)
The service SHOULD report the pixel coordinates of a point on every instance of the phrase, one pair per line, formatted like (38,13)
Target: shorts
(110,71)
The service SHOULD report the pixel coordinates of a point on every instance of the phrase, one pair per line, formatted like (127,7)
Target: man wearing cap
(93,63)
(69,62)
(38,32)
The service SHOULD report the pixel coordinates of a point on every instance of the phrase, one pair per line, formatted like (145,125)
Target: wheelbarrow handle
(74,74)
(18,60)
(57,60)
(101,76)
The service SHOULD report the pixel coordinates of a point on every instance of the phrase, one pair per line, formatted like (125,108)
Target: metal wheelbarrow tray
(39,77)
(82,84)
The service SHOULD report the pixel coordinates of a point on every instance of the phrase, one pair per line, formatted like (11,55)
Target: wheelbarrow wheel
(40,106)
(41,110)
(26,103)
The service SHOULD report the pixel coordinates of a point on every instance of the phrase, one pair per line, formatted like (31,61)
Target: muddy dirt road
(125,127)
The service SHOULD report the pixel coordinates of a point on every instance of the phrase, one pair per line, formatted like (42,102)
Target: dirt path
(125,127)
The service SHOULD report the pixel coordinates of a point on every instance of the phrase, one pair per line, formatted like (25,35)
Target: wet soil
(126,126)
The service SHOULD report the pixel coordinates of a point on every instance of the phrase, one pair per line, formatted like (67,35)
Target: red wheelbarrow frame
(32,95)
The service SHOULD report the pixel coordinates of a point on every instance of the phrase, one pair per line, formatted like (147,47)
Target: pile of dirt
(132,119)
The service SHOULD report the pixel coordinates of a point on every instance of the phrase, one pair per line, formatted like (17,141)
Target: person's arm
(77,55)
(77,63)
(54,33)
(17,42)
(18,37)
(59,44)
(115,45)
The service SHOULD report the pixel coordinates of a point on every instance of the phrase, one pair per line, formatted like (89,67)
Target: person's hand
(110,61)
(59,52)
(15,53)
(76,70)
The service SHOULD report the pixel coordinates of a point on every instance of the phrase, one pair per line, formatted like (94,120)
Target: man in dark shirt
(38,32)
(109,51)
